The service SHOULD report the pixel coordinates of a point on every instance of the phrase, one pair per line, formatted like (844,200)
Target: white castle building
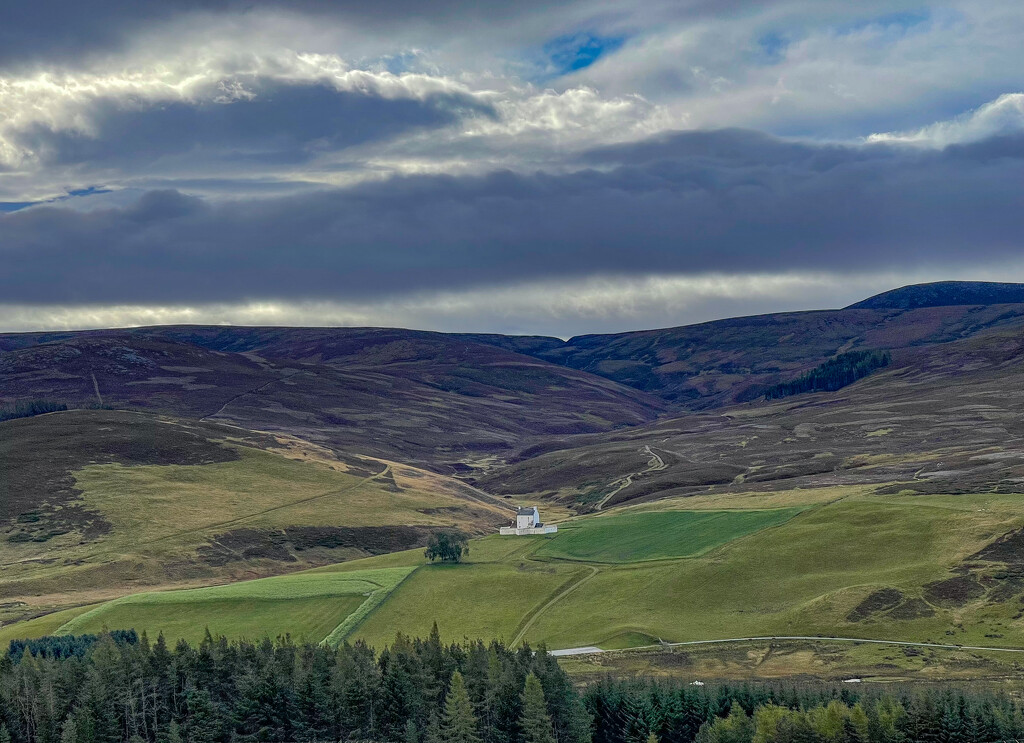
(528,522)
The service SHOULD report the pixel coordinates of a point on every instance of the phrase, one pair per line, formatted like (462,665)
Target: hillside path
(253,391)
(654,464)
(554,600)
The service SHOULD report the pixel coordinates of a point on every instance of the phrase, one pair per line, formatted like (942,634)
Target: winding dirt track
(654,464)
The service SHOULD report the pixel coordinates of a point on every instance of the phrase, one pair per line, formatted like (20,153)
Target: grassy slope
(309,619)
(635,537)
(307,606)
(802,575)
(47,624)
(158,517)
(260,489)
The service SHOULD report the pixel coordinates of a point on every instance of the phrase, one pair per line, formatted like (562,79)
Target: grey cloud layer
(279,124)
(730,200)
(35,32)
(48,30)
(218,134)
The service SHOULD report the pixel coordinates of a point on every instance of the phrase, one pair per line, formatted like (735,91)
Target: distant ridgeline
(424,691)
(844,369)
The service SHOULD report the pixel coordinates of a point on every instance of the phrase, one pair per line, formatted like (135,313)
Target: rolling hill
(942,419)
(425,398)
(725,362)
(944,294)
(889,508)
(834,562)
(97,503)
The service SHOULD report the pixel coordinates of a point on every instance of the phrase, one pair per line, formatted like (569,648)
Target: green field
(470,600)
(808,568)
(635,537)
(306,606)
(804,575)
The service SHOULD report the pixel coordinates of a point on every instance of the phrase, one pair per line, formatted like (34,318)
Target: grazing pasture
(940,568)
(656,535)
(306,606)
(885,567)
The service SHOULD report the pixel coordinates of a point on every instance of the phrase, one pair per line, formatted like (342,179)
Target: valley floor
(839,562)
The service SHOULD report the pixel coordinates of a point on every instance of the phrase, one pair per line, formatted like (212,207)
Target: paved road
(590,649)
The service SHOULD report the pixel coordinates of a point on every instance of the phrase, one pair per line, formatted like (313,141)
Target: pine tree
(312,710)
(433,733)
(637,717)
(459,721)
(850,733)
(5,734)
(69,730)
(203,724)
(411,734)
(535,721)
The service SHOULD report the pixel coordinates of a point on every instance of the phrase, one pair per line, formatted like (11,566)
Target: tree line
(837,372)
(66,646)
(644,710)
(29,408)
(126,689)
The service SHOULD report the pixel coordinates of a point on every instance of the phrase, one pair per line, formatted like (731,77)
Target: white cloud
(835,71)
(1004,115)
(822,69)
(505,124)
(61,100)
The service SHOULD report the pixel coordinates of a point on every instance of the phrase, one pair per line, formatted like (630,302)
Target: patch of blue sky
(771,47)
(400,63)
(574,52)
(13,206)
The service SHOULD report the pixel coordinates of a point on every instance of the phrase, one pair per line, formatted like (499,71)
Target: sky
(563,168)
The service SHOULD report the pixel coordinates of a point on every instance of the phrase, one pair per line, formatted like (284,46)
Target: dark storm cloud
(67,29)
(47,30)
(695,202)
(280,125)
